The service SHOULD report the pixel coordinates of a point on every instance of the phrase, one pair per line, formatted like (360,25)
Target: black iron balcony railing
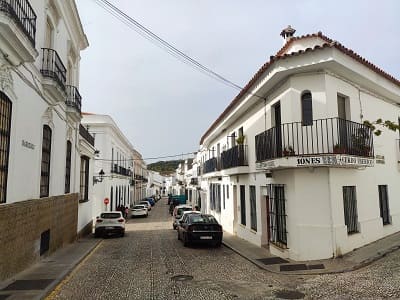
(115,169)
(22,13)
(324,136)
(234,157)
(53,67)
(211,165)
(86,135)
(74,99)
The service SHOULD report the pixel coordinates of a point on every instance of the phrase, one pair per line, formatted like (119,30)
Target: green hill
(165,167)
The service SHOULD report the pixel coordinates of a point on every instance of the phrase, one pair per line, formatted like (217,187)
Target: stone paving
(142,265)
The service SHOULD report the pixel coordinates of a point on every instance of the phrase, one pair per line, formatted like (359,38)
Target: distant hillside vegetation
(165,167)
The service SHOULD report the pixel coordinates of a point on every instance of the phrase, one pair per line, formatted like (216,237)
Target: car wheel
(122,233)
(179,237)
(185,240)
(174,226)
(96,234)
(217,244)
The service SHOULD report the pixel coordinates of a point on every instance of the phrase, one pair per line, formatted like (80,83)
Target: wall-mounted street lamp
(99,178)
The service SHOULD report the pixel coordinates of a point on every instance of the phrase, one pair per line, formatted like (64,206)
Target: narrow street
(144,263)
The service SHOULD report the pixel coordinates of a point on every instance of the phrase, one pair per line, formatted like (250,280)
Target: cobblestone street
(142,265)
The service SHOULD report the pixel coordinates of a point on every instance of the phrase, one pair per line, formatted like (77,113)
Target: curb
(52,287)
(355,267)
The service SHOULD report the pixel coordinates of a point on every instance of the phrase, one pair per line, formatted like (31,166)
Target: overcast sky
(164,106)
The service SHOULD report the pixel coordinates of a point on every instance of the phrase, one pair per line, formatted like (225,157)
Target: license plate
(206,237)
(109,228)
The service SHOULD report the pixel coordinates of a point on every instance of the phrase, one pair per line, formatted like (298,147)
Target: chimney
(287,33)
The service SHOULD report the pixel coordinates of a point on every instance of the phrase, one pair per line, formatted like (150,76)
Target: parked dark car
(151,200)
(200,228)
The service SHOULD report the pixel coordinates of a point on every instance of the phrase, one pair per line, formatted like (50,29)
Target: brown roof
(329,43)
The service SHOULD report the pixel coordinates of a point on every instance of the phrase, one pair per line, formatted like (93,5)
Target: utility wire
(148,158)
(161,43)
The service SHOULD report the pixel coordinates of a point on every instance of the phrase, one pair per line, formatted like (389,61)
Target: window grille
(243,205)
(384,204)
(350,209)
(68,168)
(253,207)
(5,126)
(45,169)
(84,179)
(277,214)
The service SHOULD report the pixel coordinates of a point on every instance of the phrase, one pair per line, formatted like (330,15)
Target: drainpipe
(333,233)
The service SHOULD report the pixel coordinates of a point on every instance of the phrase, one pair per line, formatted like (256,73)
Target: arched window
(306,108)
(5,126)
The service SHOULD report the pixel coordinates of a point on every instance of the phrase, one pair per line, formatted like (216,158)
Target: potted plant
(288,151)
(240,140)
(339,149)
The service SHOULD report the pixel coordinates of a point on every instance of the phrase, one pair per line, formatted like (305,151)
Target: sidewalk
(39,280)
(351,261)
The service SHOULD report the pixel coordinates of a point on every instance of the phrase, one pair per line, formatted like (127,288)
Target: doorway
(278,130)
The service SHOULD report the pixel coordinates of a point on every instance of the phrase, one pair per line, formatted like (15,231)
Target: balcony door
(278,130)
(343,135)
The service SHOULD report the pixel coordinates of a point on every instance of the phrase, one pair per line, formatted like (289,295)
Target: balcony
(331,141)
(18,30)
(234,157)
(54,73)
(74,99)
(115,169)
(86,135)
(211,165)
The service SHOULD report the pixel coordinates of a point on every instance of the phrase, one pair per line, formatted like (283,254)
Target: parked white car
(146,203)
(110,222)
(139,210)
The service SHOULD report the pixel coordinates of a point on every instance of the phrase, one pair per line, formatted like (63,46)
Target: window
(45,168)
(5,126)
(243,205)
(253,208)
(49,35)
(111,198)
(277,214)
(84,179)
(223,196)
(384,204)
(306,109)
(350,209)
(68,168)
(227,191)
(233,139)
(240,131)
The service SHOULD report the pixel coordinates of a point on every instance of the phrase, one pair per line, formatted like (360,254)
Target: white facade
(309,190)
(140,177)
(38,100)
(114,158)
(155,183)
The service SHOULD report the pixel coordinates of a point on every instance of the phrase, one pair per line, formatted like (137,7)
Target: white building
(140,177)
(40,44)
(114,164)
(155,183)
(289,164)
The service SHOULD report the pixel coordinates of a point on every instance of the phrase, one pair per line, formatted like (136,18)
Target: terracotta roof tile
(329,43)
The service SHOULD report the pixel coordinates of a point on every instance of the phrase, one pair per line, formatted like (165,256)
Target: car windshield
(181,210)
(195,218)
(138,206)
(110,215)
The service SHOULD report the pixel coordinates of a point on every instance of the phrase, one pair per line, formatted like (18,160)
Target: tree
(388,124)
